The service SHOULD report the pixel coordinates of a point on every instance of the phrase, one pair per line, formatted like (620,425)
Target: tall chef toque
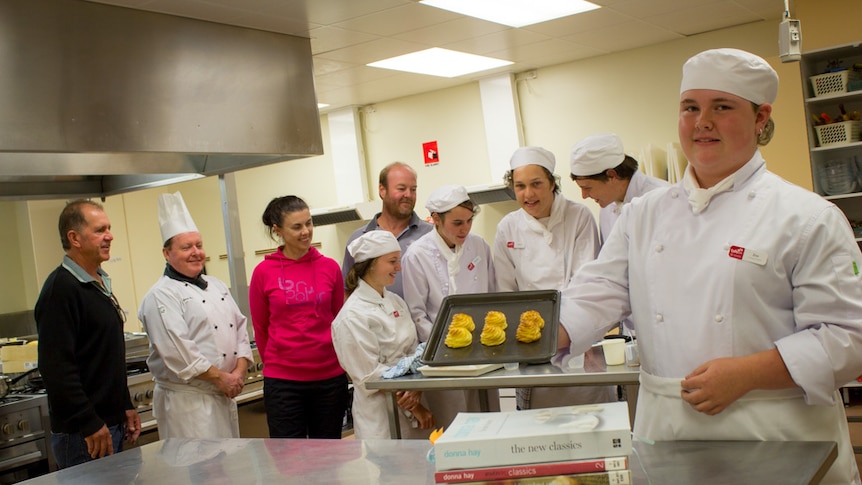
(174,217)
(732,71)
(372,244)
(446,198)
(533,156)
(595,154)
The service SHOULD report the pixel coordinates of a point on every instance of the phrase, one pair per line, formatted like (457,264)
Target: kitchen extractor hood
(97,100)
(486,194)
(362,211)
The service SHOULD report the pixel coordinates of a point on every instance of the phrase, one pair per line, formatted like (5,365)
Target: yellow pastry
(458,337)
(496,319)
(528,332)
(462,320)
(532,316)
(492,335)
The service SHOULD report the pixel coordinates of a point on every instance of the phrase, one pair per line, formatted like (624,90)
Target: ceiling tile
(624,36)
(329,12)
(372,51)
(325,39)
(703,18)
(497,41)
(403,18)
(452,31)
(355,75)
(594,19)
(532,53)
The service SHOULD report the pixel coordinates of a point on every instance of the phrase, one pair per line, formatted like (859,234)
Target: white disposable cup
(511,366)
(615,351)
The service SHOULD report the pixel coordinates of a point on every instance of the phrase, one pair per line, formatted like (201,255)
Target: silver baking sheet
(512,304)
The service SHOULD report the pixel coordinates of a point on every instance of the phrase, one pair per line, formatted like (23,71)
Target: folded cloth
(407,364)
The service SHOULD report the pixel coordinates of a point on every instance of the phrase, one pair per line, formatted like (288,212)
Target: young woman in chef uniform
(449,260)
(744,289)
(372,332)
(540,247)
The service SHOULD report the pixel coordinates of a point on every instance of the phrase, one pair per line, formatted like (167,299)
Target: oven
(24,448)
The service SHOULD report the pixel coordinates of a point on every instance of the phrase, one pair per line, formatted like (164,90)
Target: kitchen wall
(634,93)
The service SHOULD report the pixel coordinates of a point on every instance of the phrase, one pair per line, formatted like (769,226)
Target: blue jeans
(71,449)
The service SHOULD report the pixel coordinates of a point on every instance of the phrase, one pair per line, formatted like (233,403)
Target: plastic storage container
(838,133)
(832,82)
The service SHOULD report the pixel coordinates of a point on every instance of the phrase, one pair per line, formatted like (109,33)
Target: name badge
(748,255)
(472,265)
(515,245)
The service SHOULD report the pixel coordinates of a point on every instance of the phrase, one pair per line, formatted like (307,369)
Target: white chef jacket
(370,334)
(639,184)
(427,277)
(524,260)
(427,281)
(191,329)
(766,264)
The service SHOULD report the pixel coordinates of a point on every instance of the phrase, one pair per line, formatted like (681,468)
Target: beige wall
(634,93)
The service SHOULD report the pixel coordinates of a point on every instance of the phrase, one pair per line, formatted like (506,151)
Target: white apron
(780,415)
(184,411)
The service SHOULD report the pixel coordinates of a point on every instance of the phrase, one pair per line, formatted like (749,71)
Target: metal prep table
(594,373)
(265,461)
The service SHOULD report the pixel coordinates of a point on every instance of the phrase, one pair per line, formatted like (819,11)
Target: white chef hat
(733,71)
(174,217)
(596,153)
(533,156)
(372,244)
(446,198)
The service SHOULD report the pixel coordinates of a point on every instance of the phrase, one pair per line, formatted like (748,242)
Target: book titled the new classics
(475,440)
(532,470)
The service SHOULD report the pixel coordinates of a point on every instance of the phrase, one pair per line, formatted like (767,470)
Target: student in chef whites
(607,175)
(540,247)
(82,354)
(373,332)
(199,347)
(449,260)
(744,289)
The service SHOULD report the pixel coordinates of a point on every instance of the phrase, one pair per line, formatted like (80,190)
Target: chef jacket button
(231,325)
(216,327)
(752,194)
(222,298)
(673,194)
(659,317)
(659,248)
(726,247)
(204,301)
(224,355)
(234,353)
(719,318)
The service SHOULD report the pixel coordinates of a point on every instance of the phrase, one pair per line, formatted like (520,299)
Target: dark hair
(384,174)
(554,179)
(277,208)
(73,219)
(355,274)
(625,170)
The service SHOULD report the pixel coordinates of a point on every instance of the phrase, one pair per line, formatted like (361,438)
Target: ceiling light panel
(514,13)
(440,62)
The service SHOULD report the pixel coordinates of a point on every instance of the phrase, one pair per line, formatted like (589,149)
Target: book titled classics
(532,470)
(619,477)
(565,433)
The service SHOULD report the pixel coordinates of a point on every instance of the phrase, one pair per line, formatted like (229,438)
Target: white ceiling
(347,34)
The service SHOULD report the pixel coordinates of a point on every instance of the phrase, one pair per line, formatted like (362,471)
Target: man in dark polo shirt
(81,345)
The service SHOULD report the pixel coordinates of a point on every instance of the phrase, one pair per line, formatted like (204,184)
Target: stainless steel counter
(264,461)
(594,373)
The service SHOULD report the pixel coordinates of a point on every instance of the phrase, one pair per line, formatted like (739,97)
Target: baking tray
(512,304)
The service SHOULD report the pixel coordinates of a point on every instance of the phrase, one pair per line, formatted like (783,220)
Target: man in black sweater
(81,345)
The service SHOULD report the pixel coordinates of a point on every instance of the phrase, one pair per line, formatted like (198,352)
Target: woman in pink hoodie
(294,295)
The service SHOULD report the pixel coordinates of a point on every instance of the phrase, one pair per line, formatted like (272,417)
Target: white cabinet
(836,155)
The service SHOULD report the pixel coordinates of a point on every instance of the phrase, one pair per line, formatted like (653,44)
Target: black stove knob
(139,396)
(149,394)
(23,425)
(7,429)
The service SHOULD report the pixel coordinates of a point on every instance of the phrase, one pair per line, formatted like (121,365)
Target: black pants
(298,409)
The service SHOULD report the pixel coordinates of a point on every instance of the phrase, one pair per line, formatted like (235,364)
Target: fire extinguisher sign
(430,153)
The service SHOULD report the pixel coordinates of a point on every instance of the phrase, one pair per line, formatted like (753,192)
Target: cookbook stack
(583,445)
